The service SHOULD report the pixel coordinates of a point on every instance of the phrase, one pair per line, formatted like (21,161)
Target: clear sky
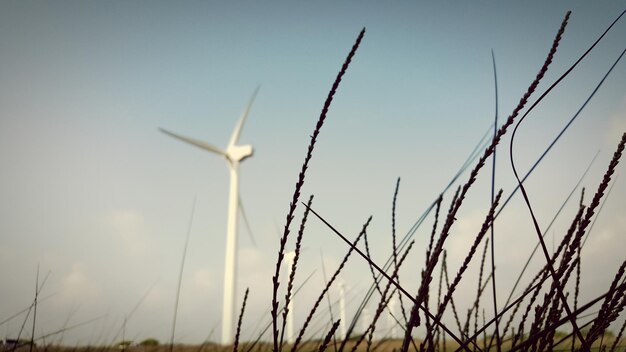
(94,194)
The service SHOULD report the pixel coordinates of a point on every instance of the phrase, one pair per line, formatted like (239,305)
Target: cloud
(157,297)
(601,247)
(463,235)
(251,259)
(128,227)
(76,285)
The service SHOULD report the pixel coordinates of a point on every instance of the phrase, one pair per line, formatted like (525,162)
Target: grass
(547,305)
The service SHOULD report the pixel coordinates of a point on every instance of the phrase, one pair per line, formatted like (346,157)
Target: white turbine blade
(245,220)
(237,131)
(197,143)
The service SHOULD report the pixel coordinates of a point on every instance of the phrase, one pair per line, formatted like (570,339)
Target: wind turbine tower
(342,309)
(391,321)
(234,154)
(290,257)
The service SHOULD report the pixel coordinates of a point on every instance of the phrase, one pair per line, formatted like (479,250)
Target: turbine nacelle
(237,153)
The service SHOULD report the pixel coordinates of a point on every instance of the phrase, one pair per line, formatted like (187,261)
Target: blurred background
(100,200)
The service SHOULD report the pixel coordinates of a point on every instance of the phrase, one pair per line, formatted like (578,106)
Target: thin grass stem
(243,308)
(299,185)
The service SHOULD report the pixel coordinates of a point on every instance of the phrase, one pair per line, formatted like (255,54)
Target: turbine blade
(237,131)
(245,219)
(197,143)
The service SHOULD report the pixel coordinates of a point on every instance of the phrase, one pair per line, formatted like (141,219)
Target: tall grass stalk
(486,325)
(300,183)
(618,337)
(483,230)
(294,266)
(268,325)
(525,195)
(384,301)
(24,310)
(333,278)
(330,306)
(32,335)
(409,234)
(394,244)
(32,306)
(483,142)
(180,275)
(608,193)
(493,194)
(556,215)
(560,322)
(243,309)
(375,277)
(421,294)
(449,288)
(329,335)
(384,274)
(439,297)
(479,290)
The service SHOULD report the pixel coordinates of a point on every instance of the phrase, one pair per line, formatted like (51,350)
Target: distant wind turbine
(289,258)
(234,154)
(342,309)
(391,321)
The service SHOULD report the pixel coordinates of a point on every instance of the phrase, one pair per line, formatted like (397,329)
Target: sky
(101,202)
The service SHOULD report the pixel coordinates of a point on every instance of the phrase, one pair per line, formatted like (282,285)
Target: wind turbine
(290,257)
(234,154)
(342,309)
(391,321)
